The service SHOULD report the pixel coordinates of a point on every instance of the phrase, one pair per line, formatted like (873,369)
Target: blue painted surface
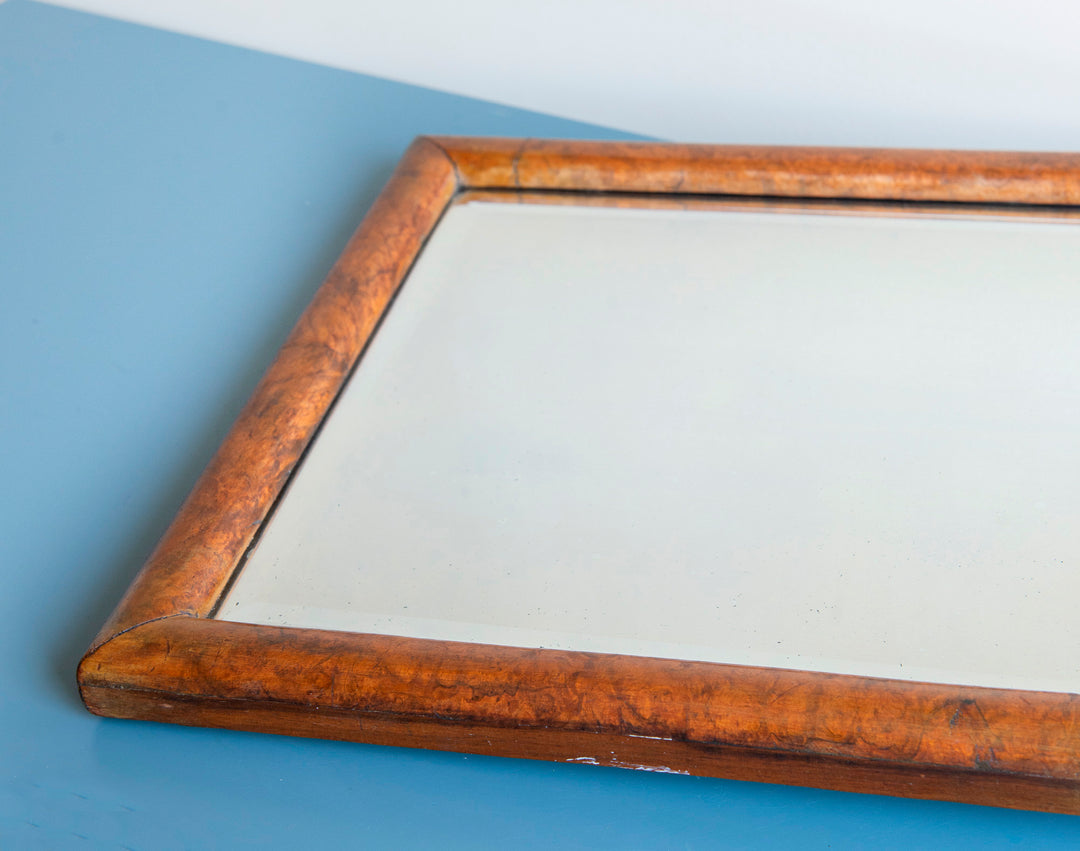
(167,207)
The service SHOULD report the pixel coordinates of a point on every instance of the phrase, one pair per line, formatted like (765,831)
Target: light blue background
(167,208)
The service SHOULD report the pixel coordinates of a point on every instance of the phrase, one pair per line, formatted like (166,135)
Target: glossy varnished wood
(194,560)
(690,717)
(160,657)
(910,175)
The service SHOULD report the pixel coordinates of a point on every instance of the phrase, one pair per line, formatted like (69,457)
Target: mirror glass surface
(805,438)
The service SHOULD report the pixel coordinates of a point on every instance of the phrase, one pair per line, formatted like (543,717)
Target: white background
(919,73)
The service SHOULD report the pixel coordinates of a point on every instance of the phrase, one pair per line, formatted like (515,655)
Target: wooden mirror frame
(163,657)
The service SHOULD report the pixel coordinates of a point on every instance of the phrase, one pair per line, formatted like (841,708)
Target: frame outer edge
(795,172)
(339,682)
(159,658)
(192,563)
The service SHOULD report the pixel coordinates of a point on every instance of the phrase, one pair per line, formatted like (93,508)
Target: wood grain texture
(197,555)
(913,175)
(696,717)
(161,657)
(598,748)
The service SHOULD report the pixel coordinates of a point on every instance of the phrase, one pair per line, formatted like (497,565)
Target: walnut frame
(162,657)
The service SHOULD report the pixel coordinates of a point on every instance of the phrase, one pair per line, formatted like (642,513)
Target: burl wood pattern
(160,657)
(909,175)
(193,561)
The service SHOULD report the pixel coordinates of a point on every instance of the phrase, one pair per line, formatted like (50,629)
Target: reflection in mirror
(776,437)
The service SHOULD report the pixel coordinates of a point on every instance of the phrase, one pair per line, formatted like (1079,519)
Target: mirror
(815,439)
(744,462)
